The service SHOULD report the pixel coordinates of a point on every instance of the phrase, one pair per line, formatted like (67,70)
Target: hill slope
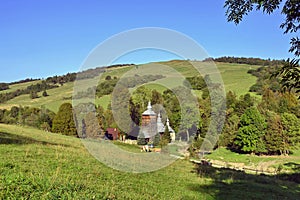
(235,78)
(41,165)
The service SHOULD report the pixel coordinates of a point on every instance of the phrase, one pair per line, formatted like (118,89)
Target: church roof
(169,127)
(160,125)
(149,110)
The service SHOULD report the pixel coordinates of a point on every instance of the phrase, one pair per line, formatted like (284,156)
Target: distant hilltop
(91,73)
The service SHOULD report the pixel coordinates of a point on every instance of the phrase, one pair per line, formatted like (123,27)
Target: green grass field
(257,162)
(235,78)
(41,165)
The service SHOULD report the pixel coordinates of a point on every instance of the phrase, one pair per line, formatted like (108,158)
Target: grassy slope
(20,86)
(53,101)
(39,165)
(257,162)
(234,76)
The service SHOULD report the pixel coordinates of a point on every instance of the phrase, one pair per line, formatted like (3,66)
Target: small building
(112,133)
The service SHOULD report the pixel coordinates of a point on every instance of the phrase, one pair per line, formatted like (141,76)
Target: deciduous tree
(251,132)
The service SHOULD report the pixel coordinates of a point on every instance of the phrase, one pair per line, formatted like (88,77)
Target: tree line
(268,126)
(248,61)
(107,86)
(4,86)
(36,117)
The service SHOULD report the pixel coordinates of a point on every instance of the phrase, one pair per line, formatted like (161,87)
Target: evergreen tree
(245,101)
(291,131)
(230,131)
(156,139)
(120,108)
(166,137)
(274,134)
(100,117)
(63,122)
(92,126)
(141,140)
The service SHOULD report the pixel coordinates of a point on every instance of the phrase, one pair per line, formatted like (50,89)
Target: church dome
(149,110)
(160,125)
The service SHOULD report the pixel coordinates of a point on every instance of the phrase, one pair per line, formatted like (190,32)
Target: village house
(112,133)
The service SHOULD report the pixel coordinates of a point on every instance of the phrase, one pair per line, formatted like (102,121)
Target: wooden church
(152,124)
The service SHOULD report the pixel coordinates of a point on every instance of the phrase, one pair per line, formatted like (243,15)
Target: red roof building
(112,133)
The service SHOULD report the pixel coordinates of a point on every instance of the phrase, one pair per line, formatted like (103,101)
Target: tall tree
(100,117)
(172,107)
(63,122)
(190,118)
(166,137)
(120,108)
(291,131)
(250,134)
(230,131)
(91,125)
(140,98)
(141,140)
(156,139)
(274,134)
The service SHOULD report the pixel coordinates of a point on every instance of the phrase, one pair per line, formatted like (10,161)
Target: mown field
(42,165)
(235,78)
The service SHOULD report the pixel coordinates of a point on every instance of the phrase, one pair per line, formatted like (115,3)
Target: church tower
(149,126)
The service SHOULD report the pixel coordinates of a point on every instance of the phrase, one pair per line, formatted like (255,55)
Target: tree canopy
(63,122)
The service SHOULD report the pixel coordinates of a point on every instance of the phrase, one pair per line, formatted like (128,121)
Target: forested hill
(249,61)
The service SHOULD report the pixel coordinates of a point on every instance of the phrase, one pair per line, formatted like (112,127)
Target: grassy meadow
(20,86)
(235,78)
(40,165)
(262,163)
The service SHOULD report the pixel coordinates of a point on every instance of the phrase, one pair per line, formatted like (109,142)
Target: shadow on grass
(232,184)
(8,138)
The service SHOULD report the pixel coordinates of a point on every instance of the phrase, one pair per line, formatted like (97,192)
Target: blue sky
(49,37)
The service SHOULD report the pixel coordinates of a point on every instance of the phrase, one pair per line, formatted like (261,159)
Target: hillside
(235,78)
(41,165)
